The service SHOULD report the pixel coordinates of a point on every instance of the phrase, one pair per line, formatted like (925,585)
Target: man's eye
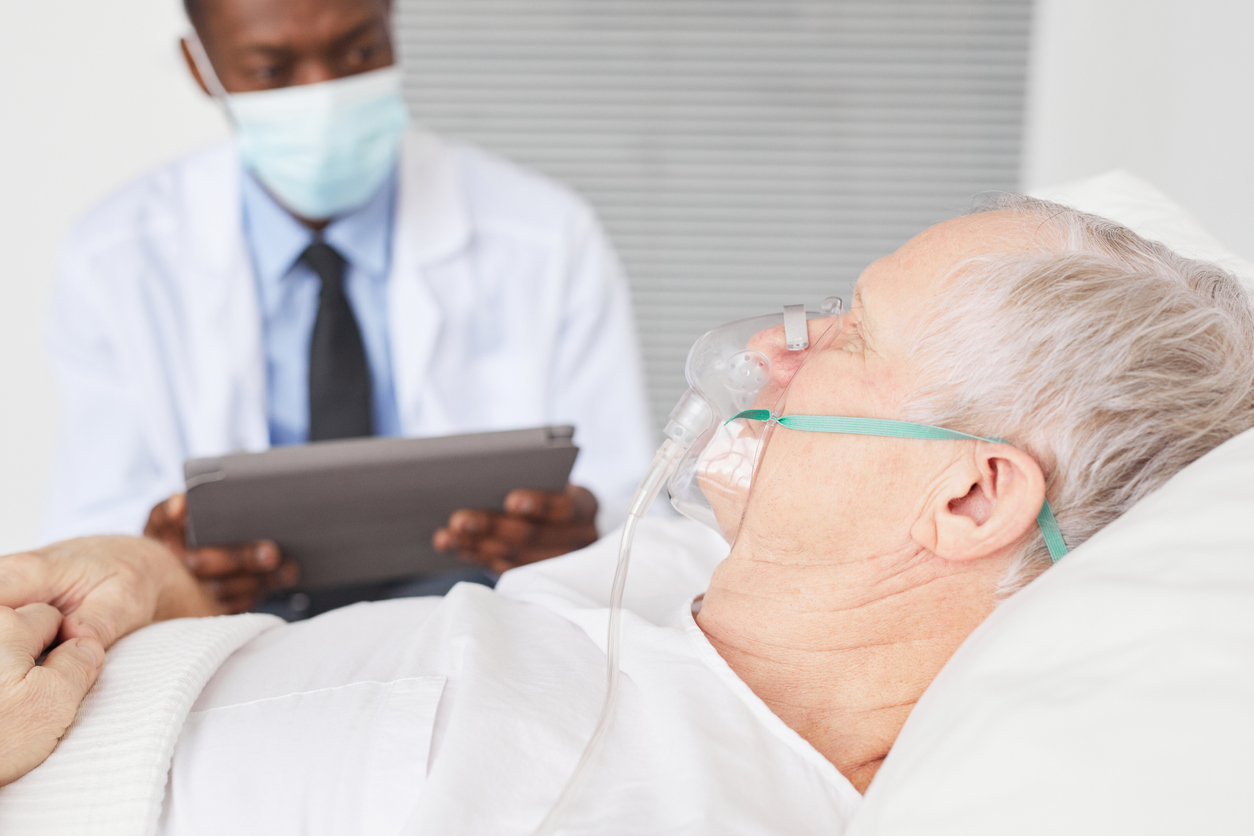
(270,73)
(361,54)
(852,336)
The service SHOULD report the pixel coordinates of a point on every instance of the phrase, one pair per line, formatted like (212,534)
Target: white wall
(92,94)
(1162,88)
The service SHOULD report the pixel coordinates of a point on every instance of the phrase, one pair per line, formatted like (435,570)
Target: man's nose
(314,70)
(784,363)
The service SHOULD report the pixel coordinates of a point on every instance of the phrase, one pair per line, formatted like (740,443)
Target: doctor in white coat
(190,311)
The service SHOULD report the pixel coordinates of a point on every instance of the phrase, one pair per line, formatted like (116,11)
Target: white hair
(1111,359)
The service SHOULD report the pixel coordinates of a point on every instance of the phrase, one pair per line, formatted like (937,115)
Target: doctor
(332,273)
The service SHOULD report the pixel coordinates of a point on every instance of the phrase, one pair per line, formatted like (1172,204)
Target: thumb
(24,579)
(74,666)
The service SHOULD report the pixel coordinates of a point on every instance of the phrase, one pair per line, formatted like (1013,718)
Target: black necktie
(339,376)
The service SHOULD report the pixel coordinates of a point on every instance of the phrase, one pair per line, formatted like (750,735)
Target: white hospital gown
(467,714)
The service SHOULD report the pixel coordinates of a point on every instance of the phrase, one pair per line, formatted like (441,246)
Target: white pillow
(1145,210)
(1115,694)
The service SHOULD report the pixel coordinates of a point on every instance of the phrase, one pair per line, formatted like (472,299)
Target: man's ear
(985,503)
(192,68)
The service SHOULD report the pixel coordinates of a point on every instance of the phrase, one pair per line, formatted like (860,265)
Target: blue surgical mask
(322,149)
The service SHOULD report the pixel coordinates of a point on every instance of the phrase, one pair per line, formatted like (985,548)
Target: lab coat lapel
(432,226)
(226,380)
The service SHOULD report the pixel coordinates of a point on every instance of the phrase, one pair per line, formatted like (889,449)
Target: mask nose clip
(796,334)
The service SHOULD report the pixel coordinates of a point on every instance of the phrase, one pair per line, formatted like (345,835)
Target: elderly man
(858,566)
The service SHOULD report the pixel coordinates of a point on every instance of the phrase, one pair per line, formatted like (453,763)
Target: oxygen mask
(738,366)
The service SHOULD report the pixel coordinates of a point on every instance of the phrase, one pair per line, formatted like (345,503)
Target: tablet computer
(363,510)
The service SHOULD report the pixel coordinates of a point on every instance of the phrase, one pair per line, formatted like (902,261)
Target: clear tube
(664,463)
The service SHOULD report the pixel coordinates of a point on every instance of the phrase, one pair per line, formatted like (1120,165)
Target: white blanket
(108,774)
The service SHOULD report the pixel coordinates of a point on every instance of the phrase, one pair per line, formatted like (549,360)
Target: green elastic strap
(902,429)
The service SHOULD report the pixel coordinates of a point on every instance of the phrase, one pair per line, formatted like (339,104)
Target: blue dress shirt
(289,301)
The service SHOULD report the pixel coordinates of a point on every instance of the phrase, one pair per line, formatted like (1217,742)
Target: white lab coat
(507,309)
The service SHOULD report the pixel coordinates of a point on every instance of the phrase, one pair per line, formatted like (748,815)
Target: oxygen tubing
(664,463)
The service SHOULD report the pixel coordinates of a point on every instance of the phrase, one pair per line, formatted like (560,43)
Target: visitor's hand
(534,526)
(38,702)
(89,593)
(237,575)
(104,586)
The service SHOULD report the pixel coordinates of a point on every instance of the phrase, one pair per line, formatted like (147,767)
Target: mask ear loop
(207,74)
(1045,518)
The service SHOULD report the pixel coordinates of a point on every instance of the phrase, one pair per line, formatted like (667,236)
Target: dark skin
(264,45)
(267,44)
(536,525)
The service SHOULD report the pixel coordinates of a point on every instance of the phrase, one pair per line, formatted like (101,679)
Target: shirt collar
(364,236)
(276,239)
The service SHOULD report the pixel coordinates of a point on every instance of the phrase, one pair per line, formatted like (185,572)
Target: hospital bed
(1115,694)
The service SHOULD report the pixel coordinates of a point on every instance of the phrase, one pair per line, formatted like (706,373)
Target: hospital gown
(467,714)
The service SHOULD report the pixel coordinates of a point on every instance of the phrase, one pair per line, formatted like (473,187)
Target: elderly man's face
(266,44)
(862,492)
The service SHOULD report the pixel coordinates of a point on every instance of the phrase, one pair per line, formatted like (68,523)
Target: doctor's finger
(234,586)
(219,561)
(497,558)
(486,526)
(168,519)
(470,550)
(471,523)
(286,575)
(238,604)
(499,555)
(574,505)
(523,533)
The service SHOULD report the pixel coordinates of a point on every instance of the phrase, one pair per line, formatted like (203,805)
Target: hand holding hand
(38,702)
(104,586)
(90,592)
(237,575)
(534,526)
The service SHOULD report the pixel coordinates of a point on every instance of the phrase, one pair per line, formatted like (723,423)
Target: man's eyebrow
(356,32)
(266,49)
(363,28)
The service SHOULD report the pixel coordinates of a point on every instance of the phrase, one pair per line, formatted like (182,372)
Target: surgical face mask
(322,149)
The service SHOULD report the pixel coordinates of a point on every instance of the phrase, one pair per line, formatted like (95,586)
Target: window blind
(743,154)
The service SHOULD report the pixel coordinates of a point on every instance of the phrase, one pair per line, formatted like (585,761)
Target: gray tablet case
(363,510)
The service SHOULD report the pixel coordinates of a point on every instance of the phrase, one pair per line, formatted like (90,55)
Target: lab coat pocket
(348,759)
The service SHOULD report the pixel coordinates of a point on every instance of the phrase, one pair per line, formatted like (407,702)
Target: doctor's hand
(236,575)
(534,526)
(38,702)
